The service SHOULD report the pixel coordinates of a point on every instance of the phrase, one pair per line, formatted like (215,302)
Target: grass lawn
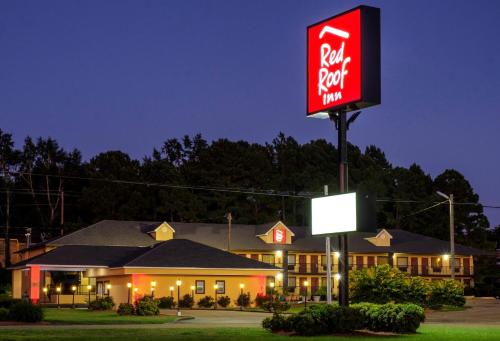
(426,333)
(84,316)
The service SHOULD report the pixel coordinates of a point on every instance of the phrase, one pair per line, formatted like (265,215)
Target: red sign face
(279,236)
(334,62)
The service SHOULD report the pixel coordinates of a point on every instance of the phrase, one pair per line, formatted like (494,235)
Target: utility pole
(7,228)
(452,231)
(328,253)
(62,213)
(229,221)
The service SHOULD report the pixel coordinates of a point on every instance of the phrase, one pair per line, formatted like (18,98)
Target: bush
(125,309)
(25,311)
(223,301)
(166,302)
(102,303)
(186,301)
(276,306)
(147,306)
(206,302)
(446,292)
(6,301)
(399,318)
(329,319)
(261,299)
(243,300)
(4,314)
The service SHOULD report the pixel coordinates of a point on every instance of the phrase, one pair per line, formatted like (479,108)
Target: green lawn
(426,333)
(84,316)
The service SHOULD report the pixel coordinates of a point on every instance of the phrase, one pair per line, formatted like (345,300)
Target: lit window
(200,287)
(221,287)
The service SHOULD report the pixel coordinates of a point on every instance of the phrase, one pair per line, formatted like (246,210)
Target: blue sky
(102,75)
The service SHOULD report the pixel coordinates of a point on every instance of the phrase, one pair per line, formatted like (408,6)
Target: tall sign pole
(328,253)
(343,75)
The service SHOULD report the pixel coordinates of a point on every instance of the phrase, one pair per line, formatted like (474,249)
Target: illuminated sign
(279,236)
(343,62)
(343,213)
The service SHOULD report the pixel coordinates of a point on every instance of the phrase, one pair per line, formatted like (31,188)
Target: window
(200,287)
(457,264)
(381,260)
(292,282)
(291,262)
(221,287)
(269,259)
(402,263)
(436,264)
(323,262)
(349,262)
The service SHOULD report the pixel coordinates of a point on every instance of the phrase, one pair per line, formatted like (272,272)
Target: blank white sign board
(334,214)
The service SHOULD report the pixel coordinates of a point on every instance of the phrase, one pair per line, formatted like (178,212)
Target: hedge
(330,319)
(25,311)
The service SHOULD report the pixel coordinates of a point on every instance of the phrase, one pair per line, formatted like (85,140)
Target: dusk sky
(104,75)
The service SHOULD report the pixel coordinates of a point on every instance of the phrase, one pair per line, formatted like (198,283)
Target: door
(302,286)
(254,256)
(414,265)
(359,262)
(302,263)
(314,284)
(466,262)
(370,260)
(425,266)
(314,264)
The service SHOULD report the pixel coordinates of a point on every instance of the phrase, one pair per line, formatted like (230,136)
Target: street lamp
(108,288)
(178,283)
(129,286)
(172,291)
(73,289)
(452,231)
(192,291)
(242,286)
(279,278)
(271,285)
(216,287)
(89,289)
(306,283)
(58,290)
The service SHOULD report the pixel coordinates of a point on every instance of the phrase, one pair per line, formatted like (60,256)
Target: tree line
(49,189)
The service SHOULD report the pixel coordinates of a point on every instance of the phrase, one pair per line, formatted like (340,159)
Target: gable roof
(174,253)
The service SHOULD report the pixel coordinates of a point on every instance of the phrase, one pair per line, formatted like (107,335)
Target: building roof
(175,253)
(245,238)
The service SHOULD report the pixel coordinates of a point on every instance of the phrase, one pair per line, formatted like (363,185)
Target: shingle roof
(175,253)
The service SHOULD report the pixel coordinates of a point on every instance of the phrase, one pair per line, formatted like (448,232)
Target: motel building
(129,259)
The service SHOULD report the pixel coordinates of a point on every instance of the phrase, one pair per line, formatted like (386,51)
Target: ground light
(271,285)
(306,283)
(89,289)
(153,288)
(73,289)
(58,291)
(171,291)
(192,291)
(108,289)
(178,283)
(216,287)
(129,286)
(242,286)
(45,293)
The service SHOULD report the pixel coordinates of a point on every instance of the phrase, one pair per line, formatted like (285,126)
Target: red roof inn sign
(343,62)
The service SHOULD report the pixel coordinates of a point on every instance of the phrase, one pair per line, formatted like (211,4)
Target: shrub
(243,300)
(4,314)
(279,322)
(276,306)
(206,302)
(147,306)
(7,301)
(399,318)
(260,299)
(125,309)
(25,311)
(223,301)
(104,303)
(446,292)
(166,302)
(186,301)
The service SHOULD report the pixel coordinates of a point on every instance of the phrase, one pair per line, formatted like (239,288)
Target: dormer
(383,238)
(163,232)
(277,234)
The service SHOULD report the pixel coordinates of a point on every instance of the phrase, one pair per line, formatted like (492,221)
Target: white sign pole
(328,265)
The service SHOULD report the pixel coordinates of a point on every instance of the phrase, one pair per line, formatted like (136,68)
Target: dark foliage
(243,300)
(147,306)
(206,302)
(125,309)
(223,301)
(25,311)
(102,303)
(4,314)
(186,301)
(166,302)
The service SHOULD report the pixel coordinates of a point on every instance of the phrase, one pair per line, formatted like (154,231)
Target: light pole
(452,231)
(271,285)
(89,289)
(171,291)
(129,286)
(306,283)
(216,287)
(242,286)
(178,283)
(58,291)
(192,291)
(44,294)
(279,278)
(153,288)
(73,289)
(135,292)
(108,289)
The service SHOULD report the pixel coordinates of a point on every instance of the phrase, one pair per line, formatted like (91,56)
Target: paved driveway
(222,318)
(479,311)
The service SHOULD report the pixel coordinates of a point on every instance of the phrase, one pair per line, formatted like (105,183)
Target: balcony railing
(420,270)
